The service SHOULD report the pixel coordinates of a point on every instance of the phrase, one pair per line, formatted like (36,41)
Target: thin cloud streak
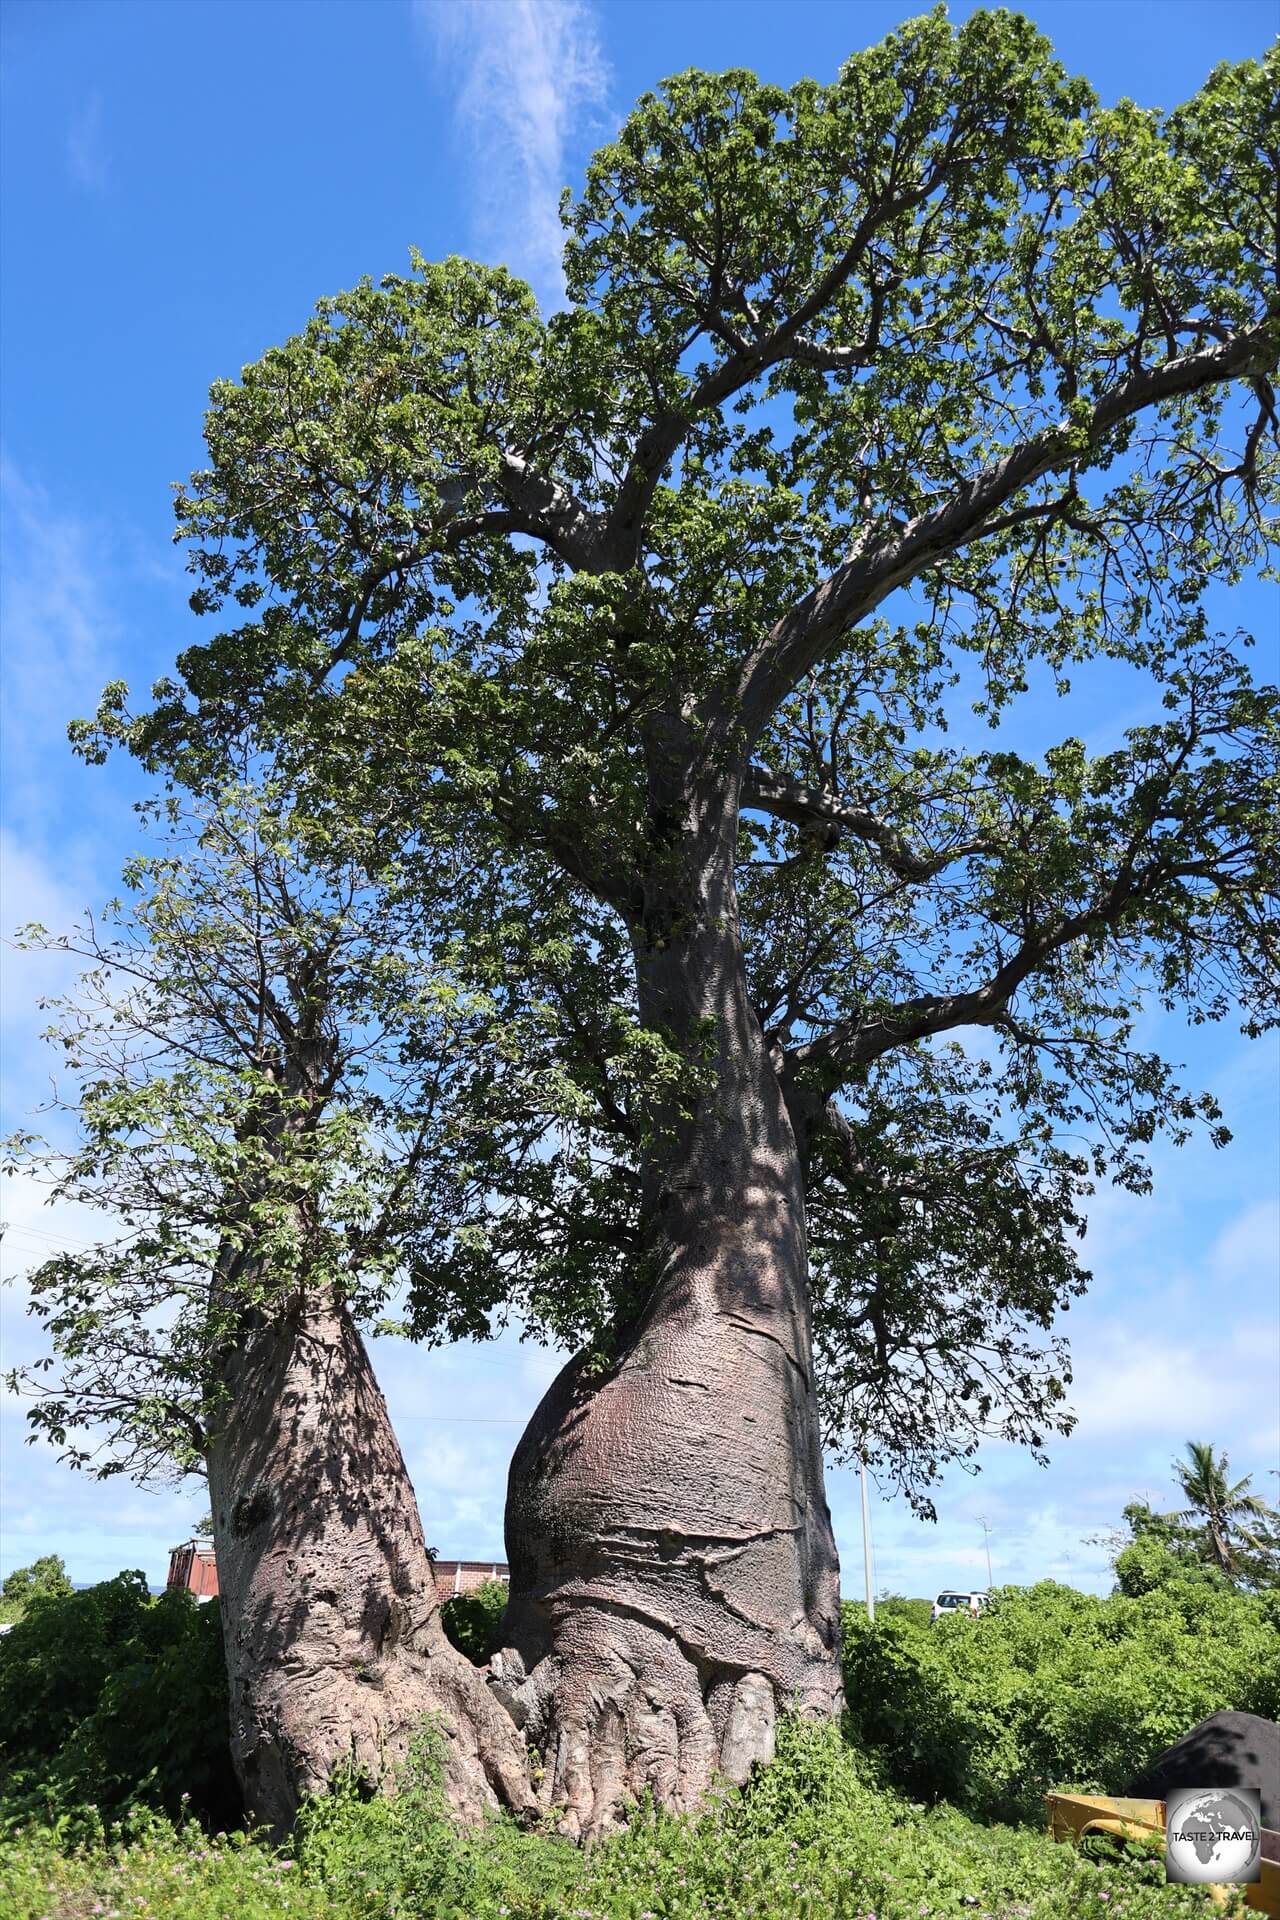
(528,74)
(59,634)
(86,147)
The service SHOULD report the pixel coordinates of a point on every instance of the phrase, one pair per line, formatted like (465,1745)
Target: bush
(1151,1562)
(1051,1686)
(110,1700)
(48,1574)
(898,1608)
(110,1697)
(812,1838)
(471,1620)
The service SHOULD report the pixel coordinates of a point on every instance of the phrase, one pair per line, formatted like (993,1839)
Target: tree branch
(852,1044)
(798,640)
(549,512)
(655,447)
(811,806)
(541,827)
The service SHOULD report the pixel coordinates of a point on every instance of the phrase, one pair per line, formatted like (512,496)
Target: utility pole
(866,1542)
(986,1541)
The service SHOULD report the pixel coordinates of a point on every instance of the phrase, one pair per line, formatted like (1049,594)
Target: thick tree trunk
(674,1582)
(335,1650)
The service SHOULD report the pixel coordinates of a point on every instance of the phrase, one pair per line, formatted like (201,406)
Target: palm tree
(1206,1483)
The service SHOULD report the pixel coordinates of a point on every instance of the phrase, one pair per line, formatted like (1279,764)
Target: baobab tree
(724,615)
(258,1062)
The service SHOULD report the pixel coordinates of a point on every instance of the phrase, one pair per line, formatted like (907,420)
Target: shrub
(48,1574)
(812,1838)
(1151,1562)
(110,1697)
(1052,1686)
(471,1620)
(895,1606)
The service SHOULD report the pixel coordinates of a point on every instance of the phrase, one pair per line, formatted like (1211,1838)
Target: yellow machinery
(1073,1816)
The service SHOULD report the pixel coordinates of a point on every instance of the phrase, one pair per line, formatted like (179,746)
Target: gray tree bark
(674,1581)
(335,1649)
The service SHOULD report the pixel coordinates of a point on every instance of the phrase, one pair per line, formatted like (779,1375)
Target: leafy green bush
(471,1620)
(110,1697)
(898,1607)
(1052,1686)
(48,1574)
(1150,1562)
(110,1700)
(812,1838)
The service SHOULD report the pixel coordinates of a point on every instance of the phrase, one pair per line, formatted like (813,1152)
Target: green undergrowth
(1051,1685)
(815,1837)
(113,1698)
(471,1620)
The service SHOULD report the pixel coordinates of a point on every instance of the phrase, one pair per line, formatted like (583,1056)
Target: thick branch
(853,1044)
(536,826)
(800,638)
(551,513)
(538,508)
(811,806)
(787,341)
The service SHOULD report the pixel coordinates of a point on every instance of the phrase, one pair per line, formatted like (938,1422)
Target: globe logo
(1213,1834)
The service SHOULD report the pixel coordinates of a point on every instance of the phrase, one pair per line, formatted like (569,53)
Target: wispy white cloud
(1196,1379)
(1248,1248)
(77,593)
(1194,1352)
(37,1226)
(1179,1340)
(61,635)
(98,1527)
(87,160)
(529,76)
(59,631)
(459,1411)
(30,891)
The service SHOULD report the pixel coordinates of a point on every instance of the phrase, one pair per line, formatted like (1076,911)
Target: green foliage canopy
(47,1574)
(874,401)
(258,1063)
(471,1620)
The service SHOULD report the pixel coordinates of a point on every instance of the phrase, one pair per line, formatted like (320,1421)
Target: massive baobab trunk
(335,1650)
(674,1583)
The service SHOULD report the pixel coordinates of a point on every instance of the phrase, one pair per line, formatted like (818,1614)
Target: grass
(816,1837)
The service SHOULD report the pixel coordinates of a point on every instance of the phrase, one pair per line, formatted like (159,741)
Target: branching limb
(853,1044)
(800,638)
(788,340)
(811,807)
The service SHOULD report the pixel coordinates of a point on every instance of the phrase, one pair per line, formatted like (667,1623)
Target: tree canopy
(257,1059)
(1237,1527)
(882,411)
(46,1575)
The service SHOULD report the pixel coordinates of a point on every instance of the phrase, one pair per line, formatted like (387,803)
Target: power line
(465,1419)
(56,1239)
(866,1543)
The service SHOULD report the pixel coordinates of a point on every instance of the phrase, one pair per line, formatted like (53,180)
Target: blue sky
(181,182)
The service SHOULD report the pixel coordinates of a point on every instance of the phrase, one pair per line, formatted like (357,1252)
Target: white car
(952,1601)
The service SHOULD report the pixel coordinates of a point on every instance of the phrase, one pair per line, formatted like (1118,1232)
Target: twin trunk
(674,1583)
(335,1650)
